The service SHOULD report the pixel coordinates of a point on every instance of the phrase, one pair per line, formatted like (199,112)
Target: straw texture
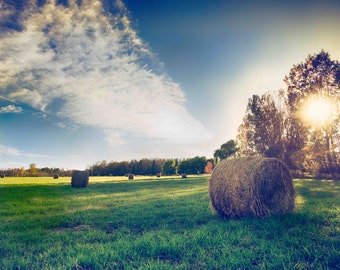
(251,186)
(80,179)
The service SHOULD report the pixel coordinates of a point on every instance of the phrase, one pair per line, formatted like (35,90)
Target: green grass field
(159,224)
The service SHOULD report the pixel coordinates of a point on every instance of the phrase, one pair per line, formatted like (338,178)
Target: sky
(83,81)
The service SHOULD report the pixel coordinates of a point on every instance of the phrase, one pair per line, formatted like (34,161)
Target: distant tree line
(137,167)
(196,165)
(33,171)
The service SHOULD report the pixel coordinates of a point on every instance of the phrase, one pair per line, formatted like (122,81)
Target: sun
(317,111)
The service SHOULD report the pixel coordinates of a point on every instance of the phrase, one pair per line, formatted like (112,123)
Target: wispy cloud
(11,151)
(81,64)
(10,109)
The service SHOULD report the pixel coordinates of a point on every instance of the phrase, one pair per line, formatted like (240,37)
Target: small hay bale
(158,175)
(131,176)
(80,178)
(251,186)
(184,175)
(2,176)
(56,176)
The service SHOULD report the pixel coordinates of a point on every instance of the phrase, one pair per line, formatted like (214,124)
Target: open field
(159,224)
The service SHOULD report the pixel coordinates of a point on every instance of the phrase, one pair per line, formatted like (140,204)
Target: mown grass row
(160,224)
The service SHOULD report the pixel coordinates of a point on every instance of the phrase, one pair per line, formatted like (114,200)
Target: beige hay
(80,179)
(252,186)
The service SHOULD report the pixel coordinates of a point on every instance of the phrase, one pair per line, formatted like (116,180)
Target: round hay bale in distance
(184,175)
(56,176)
(251,186)
(80,178)
(3,176)
(131,176)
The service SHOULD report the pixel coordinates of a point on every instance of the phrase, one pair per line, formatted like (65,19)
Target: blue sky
(85,81)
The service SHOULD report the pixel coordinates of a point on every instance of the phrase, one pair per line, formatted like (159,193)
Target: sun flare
(317,111)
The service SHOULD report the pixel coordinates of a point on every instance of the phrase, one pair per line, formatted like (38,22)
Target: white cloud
(11,151)
(61,125)
(114,138)
(10,109)
(93,69)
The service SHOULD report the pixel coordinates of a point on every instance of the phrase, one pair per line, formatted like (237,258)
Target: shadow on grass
(136,205)
(15,192)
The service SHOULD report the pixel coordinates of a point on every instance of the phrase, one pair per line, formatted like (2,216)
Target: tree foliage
(34,171)
(194,165)
(317,75)
(169,167)
(137,167)
(262,129)
(273,125)
(226,150)
(209,166)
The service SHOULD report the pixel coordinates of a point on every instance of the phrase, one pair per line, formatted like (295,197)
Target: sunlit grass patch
(93,179)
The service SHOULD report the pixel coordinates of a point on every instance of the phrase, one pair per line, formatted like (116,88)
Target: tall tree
(157,166)
(278,126)
(169,167)
(318,77)
(226,150)
(262,130)
(33,169)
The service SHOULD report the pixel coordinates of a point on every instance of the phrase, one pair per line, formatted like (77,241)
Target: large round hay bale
(251,186)
(80,178)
